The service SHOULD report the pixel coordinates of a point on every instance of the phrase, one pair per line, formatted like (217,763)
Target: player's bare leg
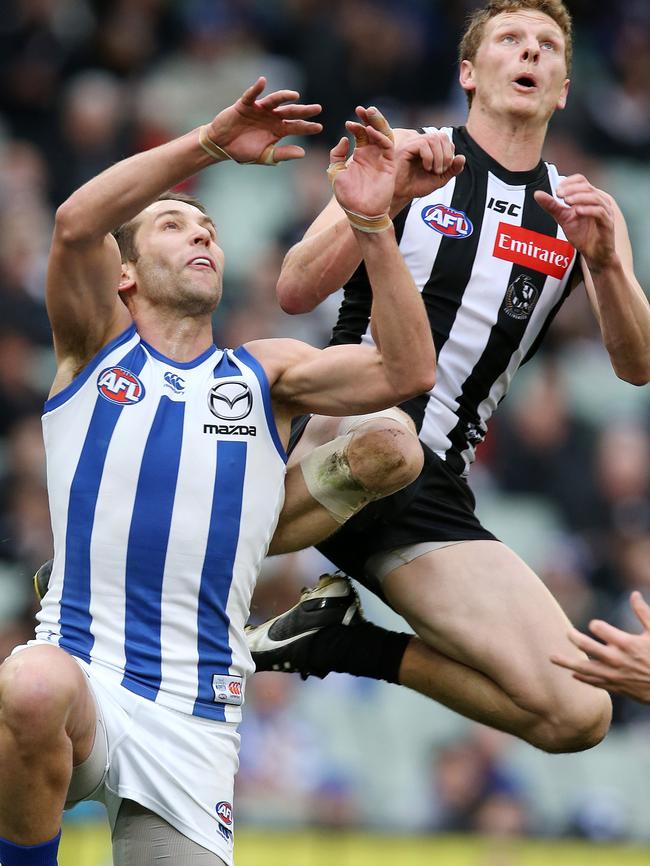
(47,725)
(382,454)
(487,627)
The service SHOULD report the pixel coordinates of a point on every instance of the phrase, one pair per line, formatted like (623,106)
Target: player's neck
(512,142)
(179,339)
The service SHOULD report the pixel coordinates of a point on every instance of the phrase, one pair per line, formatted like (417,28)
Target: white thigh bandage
(330,482)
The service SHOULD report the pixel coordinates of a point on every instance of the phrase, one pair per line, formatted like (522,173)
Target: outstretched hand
(364,183)
(249,130)
(618,661)
(425,162)
(586,218)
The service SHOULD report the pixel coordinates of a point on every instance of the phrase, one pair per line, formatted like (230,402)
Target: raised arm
(353,379)
(327,256)
(84,265)
(594,224)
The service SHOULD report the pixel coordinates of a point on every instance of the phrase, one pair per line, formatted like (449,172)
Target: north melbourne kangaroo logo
(521,297)
(231,401)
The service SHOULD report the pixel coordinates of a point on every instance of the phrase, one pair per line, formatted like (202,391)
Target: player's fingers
(583,197)
(340,151)
(548,203)
(284,152)
(457,165)
(641,609)
(584,667)
(596,212)
(597,682)
(380,139)
(275,99)
(424,151)
(251,93)
(302,127)
(589,645)
(296,112)
(608,633)
(358,130)
(376,119)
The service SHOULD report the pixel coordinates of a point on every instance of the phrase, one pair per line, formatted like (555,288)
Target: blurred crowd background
(563,477)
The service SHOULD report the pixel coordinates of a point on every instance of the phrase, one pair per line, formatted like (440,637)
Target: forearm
(126,188)
(624,322)
(317,266)
(399,319)
(322,262)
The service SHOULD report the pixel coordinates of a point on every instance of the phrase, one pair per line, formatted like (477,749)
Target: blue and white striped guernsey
(165,480)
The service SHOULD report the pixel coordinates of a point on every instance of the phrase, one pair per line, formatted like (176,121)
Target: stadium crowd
(564,475)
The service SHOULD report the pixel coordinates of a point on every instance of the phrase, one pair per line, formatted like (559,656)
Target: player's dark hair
(475,28)
(125,234)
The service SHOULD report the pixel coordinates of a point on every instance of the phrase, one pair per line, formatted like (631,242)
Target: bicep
(81,294)
(339,380)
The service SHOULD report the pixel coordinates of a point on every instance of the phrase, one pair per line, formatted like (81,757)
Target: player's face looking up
(178,262)
(519,69)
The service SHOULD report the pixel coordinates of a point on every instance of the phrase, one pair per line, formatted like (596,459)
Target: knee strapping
(330,481)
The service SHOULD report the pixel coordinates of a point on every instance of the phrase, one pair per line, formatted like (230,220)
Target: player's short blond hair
(475,29)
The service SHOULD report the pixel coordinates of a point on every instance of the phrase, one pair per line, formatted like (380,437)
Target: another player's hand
(252,125)
(586,218)
(621,663)
(425,163)
(364,183)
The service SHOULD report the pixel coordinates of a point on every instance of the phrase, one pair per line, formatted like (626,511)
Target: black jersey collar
(466,144)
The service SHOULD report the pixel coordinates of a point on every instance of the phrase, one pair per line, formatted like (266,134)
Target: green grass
(89,846)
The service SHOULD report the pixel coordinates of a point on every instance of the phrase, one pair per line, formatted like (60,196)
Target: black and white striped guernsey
(493,269)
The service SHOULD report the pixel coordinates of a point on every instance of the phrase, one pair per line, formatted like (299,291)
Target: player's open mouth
(525,82)
(202,262)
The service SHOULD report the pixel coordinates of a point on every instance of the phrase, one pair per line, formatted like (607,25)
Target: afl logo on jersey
(447,221)
(120,385)
(224,811)
(231,401)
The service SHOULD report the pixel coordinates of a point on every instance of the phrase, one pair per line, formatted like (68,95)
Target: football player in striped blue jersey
(166,466)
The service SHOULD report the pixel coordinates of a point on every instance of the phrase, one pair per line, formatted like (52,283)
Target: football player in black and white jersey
(495,239)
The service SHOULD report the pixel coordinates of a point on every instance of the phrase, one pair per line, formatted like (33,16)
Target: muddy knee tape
(330,481)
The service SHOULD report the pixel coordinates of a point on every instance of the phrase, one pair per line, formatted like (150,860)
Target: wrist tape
(218,154)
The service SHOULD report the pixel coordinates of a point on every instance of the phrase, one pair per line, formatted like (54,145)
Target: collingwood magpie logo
(521,297)
(230,401)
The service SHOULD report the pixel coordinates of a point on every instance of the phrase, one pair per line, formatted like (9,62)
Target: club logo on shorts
(521,297)
(120,386)
(224,812)
(543,253)
(447,221)
(230,401)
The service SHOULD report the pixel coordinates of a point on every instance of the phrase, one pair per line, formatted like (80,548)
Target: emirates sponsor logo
(540,252)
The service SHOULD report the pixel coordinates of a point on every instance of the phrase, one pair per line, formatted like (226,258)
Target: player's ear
(466,76)
(127,277)
(564,93)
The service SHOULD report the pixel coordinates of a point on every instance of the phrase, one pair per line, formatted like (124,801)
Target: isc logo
(224,811)
(120,386)
(447,221)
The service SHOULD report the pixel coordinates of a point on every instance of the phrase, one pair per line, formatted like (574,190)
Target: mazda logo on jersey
(231,401)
